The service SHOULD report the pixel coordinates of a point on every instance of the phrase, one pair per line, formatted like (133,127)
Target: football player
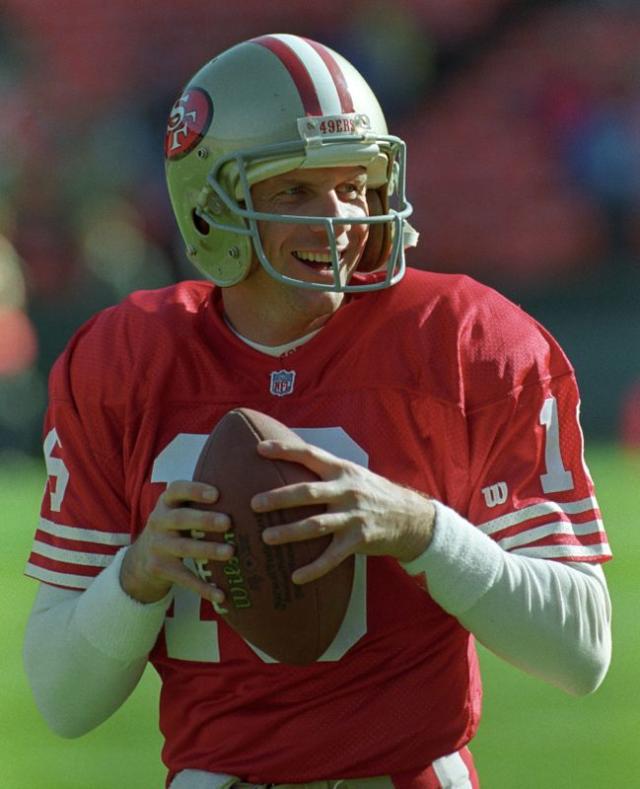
(441,421)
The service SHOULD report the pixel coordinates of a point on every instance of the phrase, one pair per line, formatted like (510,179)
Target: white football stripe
(537,511)
(452,772)
(72,557)
(84,535)
(58,579)
(325,88)
(564,551)
(547,529)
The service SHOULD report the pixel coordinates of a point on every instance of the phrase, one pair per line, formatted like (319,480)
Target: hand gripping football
(293,624)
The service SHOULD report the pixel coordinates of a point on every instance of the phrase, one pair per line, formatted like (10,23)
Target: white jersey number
(557,478)
(56,469)
(188,637)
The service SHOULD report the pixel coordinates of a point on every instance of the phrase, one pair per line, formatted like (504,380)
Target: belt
(199,779)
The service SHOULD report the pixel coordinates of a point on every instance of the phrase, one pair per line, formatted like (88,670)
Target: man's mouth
(316,260)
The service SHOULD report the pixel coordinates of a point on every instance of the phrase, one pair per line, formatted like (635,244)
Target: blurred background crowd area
(522,121)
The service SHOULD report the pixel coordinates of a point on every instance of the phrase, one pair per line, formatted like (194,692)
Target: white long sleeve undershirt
(548,618)
(551,619)
(101,637)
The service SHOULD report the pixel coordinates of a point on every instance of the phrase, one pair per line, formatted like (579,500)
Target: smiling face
(267,310)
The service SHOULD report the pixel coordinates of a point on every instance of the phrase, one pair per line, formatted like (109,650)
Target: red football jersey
(438,383)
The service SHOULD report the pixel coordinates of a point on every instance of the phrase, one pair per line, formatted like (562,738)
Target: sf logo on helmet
(188,123)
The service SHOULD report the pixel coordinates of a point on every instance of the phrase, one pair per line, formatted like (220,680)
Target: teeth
(313,257)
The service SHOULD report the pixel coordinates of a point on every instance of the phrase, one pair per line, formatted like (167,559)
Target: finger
(336,553)
(321,462)
(190,519)
(182,576)
(299,494)
(308,529)
(183,492)
(197,548)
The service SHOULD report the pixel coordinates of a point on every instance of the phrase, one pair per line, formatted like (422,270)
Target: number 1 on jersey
(557,478)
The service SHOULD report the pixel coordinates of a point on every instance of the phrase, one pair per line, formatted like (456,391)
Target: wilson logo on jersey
(495,494)
(282,382)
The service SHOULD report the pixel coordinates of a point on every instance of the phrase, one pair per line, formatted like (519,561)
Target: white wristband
(114,623)
(461,563)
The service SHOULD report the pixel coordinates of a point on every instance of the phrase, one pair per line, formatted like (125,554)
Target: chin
(317,306)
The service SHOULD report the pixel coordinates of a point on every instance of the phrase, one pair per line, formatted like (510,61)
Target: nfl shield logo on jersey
(282,382)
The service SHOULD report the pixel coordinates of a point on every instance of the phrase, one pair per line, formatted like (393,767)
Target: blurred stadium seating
(522,121)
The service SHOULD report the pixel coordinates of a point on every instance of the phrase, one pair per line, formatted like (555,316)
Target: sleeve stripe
(600,551)
(537,511)
(71,557)
(549,529)
(58,579)
(84,535)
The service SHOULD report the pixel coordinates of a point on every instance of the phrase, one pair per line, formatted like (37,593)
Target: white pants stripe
(452,772)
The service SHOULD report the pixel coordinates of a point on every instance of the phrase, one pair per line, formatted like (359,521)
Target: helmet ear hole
(199,223)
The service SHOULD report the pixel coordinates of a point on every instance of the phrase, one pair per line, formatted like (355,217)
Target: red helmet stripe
(346,100)
(297,70)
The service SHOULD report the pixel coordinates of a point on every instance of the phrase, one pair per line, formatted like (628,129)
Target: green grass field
(532,736)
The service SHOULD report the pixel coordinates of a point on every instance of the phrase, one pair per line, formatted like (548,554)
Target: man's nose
(330,205)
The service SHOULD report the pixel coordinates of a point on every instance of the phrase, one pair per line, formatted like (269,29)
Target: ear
(378,244)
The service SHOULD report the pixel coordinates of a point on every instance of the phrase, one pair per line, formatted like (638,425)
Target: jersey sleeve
(84,518)
(531,490)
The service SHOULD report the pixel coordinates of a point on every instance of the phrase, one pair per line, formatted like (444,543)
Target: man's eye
(353,190)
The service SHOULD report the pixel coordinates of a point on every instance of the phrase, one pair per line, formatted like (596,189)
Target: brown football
(293,624)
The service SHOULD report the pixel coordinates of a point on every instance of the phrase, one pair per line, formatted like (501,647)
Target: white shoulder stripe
(565,551)
(537,511)
(548,529)
(84,535)
(58,579)
(72,557)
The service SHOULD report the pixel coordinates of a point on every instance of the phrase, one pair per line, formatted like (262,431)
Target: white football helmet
(263,108)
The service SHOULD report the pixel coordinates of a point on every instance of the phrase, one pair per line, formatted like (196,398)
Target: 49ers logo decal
(188,123)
